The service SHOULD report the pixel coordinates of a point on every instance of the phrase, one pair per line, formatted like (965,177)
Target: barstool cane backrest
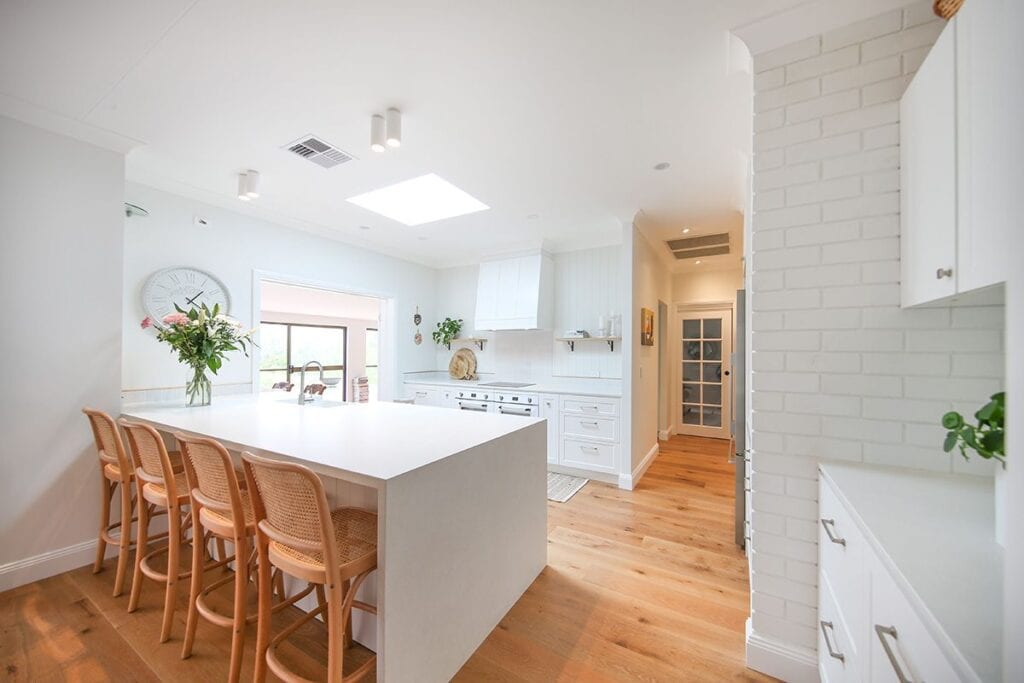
(211,477)
(152,462)
(291,508)
(109,445)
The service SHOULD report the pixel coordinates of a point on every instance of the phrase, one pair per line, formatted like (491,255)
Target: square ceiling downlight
(425,199)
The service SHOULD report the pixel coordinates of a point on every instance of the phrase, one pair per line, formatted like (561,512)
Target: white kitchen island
(461,500)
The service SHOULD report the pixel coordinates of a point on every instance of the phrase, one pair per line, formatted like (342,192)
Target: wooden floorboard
(641,585)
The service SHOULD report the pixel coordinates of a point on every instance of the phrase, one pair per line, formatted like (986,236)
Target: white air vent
(318,151)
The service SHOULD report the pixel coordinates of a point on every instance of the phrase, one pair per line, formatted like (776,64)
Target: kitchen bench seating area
(274,517)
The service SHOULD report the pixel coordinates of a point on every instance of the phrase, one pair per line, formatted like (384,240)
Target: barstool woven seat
(298,533)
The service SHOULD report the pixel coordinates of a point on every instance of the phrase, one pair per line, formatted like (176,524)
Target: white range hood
(515,293)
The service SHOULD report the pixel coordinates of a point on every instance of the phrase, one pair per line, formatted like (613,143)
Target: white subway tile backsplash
(840,371)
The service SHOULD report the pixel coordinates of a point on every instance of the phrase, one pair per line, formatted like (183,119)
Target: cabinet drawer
(589,405)
(589,455)
(843,560)
(899,639)
(425,396)
(606,428)
(837,660)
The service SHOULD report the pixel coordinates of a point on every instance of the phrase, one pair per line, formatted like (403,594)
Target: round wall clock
(186,287)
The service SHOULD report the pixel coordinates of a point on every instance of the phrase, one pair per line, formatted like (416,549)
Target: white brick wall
(839,370)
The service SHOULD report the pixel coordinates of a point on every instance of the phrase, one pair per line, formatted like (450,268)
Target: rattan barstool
(298,533)
(160,487)
(115,470)
(221,508)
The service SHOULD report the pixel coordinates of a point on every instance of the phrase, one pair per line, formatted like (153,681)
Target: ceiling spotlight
(686,230)
(377,133)
(394,127)
(252,183)
(661,166)
(243,187)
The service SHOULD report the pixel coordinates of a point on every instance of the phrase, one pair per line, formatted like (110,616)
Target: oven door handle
(524,412)
(473,407)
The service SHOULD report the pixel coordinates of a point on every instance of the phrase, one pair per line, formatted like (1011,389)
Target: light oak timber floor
(642,585)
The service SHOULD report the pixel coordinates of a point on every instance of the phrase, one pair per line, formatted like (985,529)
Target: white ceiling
(557,110)
(281,298)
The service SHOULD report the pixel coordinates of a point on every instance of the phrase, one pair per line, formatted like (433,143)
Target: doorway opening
(664,383)
(299,324)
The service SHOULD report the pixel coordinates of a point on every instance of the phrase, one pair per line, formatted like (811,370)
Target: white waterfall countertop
(374,441)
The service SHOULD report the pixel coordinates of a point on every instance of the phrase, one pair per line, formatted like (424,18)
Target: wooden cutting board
(463,365)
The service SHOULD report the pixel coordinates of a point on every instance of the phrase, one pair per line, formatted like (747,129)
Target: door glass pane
(691,393)
(712,417)
(691,329)
(269,377)
(712,328)
(325,344)
(691,350)
(712,350)
(691,372)
(273,346)
(712,394)
(691,415)
(712,372)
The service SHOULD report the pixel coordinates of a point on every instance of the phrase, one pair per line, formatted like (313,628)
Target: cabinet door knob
(943,272)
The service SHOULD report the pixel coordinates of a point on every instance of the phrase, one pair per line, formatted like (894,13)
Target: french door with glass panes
(706,391)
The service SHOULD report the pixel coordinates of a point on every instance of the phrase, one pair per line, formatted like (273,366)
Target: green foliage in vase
(446,331)
(987,439)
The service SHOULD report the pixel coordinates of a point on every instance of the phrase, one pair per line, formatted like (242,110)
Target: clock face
(186,287)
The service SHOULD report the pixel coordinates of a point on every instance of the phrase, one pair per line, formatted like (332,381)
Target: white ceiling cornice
(808,19)
(33,115)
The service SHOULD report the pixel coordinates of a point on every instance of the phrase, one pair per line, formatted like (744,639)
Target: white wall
(652,282)
(587,284)
(232,247)
(704,287)
(839,370)
(61,217)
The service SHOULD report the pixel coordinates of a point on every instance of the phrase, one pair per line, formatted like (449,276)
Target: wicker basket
(947,8)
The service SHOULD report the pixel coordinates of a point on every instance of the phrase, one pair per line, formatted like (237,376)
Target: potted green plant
(988,440)
(446,331)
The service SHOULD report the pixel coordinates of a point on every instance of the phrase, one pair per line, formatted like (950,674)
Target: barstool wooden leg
(101,543)
(126,539)
(198,556)
(174,534)
(241,591)
(264,588)
(335,628)
(141,544)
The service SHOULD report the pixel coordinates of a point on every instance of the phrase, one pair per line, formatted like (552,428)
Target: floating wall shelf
(571,341)
(477,341)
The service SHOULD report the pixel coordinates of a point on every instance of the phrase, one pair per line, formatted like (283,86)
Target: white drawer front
(899,641)
(843,560)
(837,660)
(589,405)
(589,455)
(426,396)
(604,428)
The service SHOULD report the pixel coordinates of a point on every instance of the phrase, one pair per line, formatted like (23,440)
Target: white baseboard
(628,481)
(45,565)
(606,477)
(785,662)
(666,434)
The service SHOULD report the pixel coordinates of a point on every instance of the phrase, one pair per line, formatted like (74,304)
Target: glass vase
(198,388)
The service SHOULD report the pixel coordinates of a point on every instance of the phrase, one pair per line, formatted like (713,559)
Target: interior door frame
(680,311)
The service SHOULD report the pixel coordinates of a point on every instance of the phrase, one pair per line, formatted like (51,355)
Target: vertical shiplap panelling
(588,284)
(840,371)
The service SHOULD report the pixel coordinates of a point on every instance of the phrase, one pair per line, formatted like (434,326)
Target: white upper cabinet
(958,178)
(515,293)
(928,177)
(990,92)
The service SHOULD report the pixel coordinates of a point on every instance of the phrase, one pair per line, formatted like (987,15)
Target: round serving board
(463,365)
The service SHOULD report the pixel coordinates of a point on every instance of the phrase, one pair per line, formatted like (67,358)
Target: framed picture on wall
(646,327)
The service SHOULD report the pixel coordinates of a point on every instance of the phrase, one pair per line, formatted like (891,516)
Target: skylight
(425,199)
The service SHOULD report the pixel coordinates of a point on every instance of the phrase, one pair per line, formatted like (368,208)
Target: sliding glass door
(286,347)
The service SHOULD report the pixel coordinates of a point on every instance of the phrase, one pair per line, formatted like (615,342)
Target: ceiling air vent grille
(319,152)
(702,245)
